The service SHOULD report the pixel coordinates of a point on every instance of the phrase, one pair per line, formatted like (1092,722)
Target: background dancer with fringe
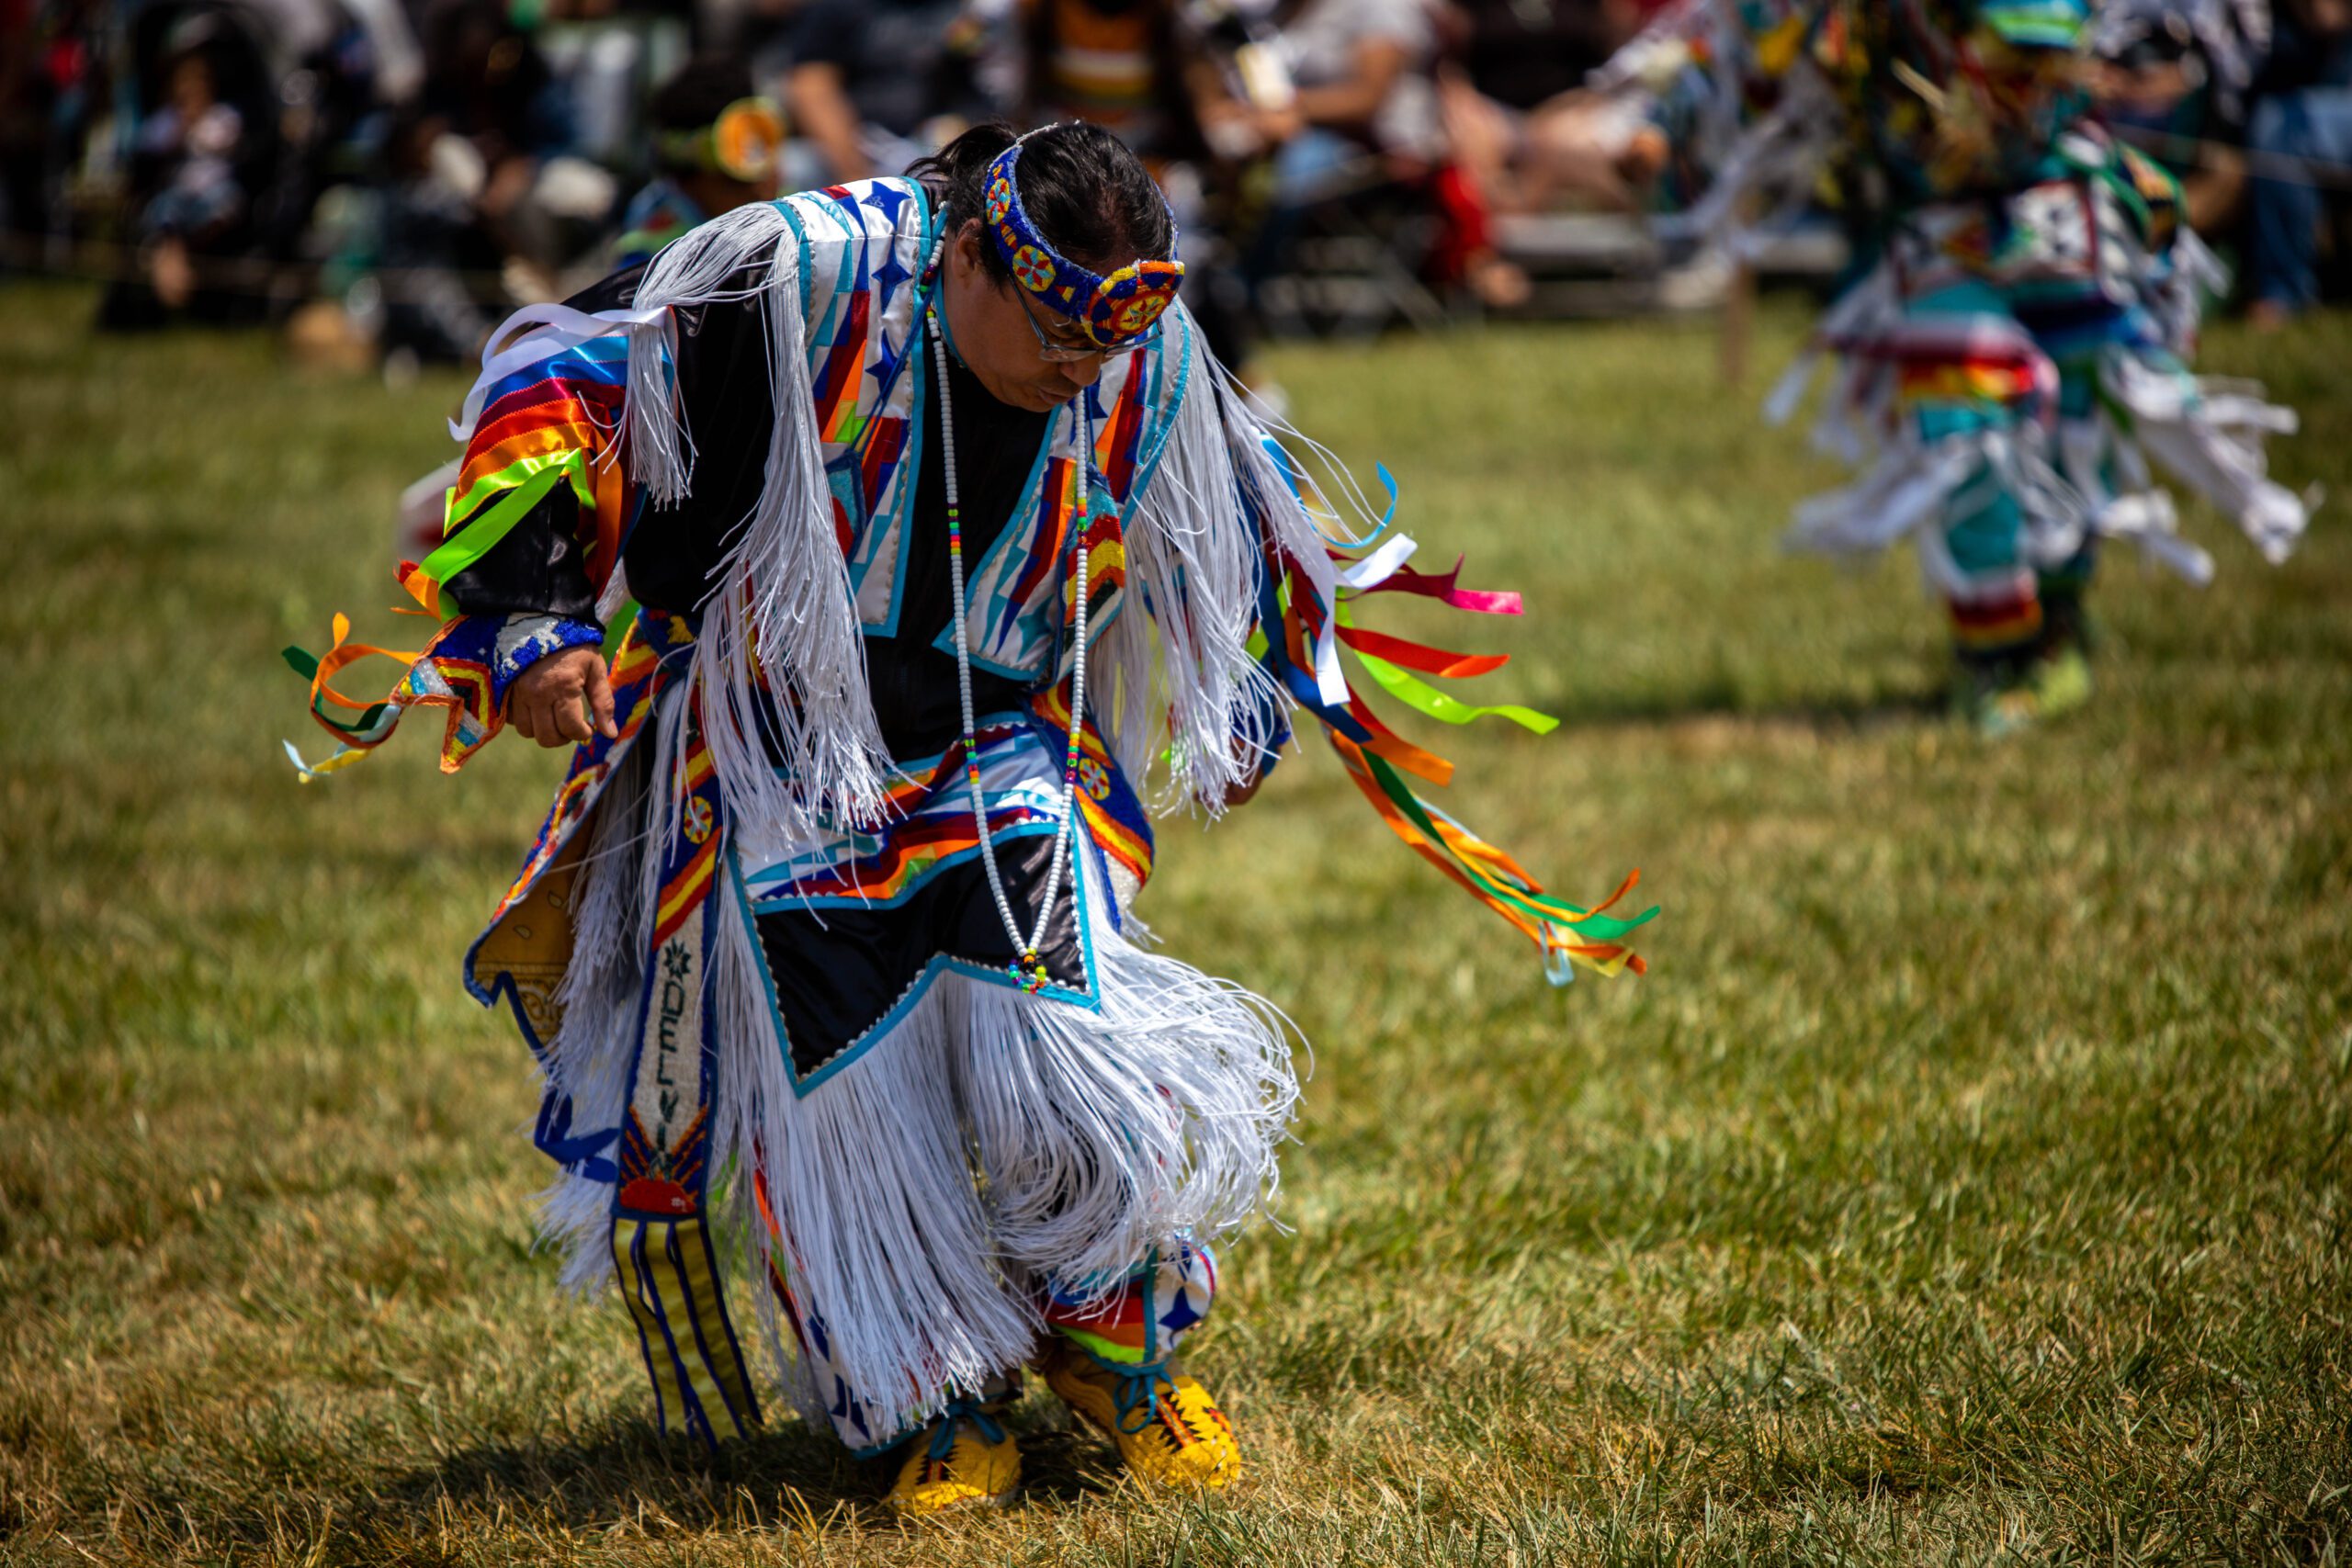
(954,547)
(2013,351)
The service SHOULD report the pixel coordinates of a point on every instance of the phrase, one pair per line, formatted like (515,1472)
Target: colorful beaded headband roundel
(1108,309)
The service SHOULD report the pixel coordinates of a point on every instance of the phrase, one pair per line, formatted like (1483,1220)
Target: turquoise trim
(947,332)
(1166,427)
(1163,429)
(808,284)
(819,334)
(991,665)
(1030,503)
(901,513)
(905,480)
(844,278)
(1103,865)
(923,229)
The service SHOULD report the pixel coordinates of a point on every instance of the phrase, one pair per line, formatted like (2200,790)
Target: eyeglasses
(1053,352)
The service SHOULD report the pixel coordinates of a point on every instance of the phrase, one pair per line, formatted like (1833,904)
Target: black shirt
(912,680)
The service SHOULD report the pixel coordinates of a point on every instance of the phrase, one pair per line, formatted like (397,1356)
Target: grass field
(1968,1183)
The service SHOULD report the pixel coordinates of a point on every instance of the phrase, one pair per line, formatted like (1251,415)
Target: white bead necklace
(1026,966)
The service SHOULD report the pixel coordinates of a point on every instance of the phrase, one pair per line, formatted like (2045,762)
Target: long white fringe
(1197,567)
(589,1058)
(2207,431)
(870,1182)
(1194,564)
(993,1137)
(809,747)
(2176,298)
(1907,493)
(2104,464)
(1854,417)
(1100,1136)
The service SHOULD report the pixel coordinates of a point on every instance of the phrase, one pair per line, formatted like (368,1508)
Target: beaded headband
(1108,309)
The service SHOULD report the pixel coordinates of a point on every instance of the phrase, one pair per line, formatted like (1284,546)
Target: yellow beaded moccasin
(964,1460)
(1167,1427)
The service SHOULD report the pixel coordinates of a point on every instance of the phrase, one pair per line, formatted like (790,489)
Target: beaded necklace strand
(1027,968)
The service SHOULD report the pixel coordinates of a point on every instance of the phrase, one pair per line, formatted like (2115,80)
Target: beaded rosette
(1108,309)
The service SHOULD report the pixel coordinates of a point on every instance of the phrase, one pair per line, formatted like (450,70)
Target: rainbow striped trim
(551,422)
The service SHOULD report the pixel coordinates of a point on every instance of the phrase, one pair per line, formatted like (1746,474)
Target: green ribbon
(306,665)
(1605,928)
(478,538)
(1423,698)
(1419,695)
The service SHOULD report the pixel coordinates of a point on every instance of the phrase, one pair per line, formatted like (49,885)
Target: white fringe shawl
(1193,562)
(612,905)
(2206,430)
(783,608)
(991,1140)
(1909,493)
(2176,297)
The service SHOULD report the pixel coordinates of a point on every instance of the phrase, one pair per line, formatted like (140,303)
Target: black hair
(702,90)
(1089,195)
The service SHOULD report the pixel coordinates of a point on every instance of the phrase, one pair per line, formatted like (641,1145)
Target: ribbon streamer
(1442,586)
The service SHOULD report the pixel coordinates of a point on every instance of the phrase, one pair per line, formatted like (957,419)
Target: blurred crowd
(2250,102)
(389,177)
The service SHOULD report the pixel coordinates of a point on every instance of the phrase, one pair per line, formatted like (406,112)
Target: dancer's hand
(546,701)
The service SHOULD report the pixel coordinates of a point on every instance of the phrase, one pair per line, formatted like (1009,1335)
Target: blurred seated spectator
(1328,80)
(488,87)
(1338,95)
(1140,69)
(2300,135)
(1517,117)
(716,147)
(878,84)
(485,205)
(440,265)
(190,144)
